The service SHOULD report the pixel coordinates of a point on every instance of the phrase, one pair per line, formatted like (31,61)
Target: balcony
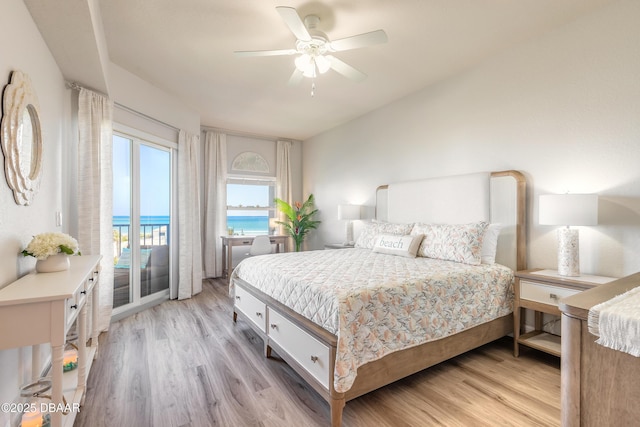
(154,260)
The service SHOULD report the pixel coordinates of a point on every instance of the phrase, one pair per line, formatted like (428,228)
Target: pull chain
(313,88)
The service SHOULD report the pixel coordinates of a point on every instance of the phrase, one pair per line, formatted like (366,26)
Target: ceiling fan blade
(243,53)
(345,69)
(293,21)
(360,40)
(296,77)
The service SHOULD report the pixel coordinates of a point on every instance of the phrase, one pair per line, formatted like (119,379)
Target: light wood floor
(185,363)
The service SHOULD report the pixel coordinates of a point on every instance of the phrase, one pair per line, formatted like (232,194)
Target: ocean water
(144,220)
(241,224)
(248,225)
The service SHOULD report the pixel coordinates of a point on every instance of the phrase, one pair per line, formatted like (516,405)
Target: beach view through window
(249,207)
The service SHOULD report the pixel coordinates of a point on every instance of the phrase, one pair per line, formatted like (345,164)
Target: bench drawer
(310,353)
(251,307)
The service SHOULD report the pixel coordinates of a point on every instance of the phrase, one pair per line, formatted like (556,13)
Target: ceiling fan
(314,48)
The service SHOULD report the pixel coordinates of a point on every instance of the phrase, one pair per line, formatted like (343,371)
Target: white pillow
(452,242)
(406,246)
(490,244)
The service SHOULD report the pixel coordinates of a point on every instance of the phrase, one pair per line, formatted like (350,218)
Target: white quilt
(376,303)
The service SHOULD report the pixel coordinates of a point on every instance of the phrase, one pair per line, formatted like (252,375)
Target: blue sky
(155,179)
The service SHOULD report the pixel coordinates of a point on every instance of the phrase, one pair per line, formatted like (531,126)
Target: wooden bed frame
(511,186)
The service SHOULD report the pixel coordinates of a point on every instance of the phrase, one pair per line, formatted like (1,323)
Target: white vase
(57,262)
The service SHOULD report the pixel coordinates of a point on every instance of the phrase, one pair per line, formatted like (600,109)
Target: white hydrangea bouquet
(47,244)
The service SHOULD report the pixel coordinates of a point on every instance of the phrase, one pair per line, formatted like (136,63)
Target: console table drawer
(73,306)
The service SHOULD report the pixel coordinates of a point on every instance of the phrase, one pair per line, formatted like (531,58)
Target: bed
(352,320)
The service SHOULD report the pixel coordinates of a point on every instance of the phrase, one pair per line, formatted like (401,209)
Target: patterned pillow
(395,229)
(367,236)
(452,242)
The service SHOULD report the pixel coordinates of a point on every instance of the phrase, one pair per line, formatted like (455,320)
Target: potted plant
(299,219)
(51,251)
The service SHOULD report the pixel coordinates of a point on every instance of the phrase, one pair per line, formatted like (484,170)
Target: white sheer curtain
(215,201)
(189,237)
(283,175)
(95,229)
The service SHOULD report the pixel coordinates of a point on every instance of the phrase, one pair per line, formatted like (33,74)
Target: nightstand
(337,246)
(540,291)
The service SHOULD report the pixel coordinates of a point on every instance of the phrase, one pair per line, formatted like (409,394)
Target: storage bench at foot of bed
(311,350)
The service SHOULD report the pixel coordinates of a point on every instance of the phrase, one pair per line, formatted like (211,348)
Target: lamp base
(568,252)
(349,233)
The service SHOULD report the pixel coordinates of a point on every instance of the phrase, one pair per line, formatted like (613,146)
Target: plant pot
(53,263)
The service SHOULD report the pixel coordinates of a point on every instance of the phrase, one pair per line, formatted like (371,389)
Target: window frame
(268,181)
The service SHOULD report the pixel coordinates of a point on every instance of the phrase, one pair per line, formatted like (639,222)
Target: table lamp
(349,213)
(568,210)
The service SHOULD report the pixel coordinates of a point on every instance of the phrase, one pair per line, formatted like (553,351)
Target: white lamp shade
(568,209)
(349,212)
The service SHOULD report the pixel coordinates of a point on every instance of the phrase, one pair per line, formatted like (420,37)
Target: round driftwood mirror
(21,138)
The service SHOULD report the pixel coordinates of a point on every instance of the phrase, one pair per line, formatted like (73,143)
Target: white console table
(40,308)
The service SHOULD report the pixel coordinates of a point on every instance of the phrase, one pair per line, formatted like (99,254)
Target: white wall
(131,91)
(564,109)
(24,49)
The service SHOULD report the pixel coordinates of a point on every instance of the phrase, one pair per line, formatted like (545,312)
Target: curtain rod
(77,86)
(245,134)
(138,113)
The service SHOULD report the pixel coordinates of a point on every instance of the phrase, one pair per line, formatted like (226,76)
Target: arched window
(250,162)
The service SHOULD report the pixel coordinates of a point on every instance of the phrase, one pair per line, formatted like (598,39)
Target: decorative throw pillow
(371,229)
(125,258)
(490,244)
(452,242)
(393,228)
(406,246)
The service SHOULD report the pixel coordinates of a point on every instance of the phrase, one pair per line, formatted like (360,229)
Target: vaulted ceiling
(186,48)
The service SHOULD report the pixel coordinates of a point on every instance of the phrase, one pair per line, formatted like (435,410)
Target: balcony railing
(150,234)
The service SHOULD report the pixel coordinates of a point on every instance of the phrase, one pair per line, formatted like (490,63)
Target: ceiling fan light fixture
(322,63)
(311,65)
(314,49)
(304,62)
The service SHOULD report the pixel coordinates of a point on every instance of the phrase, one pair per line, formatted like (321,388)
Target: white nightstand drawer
(252,307)
(306,350)
(544,294)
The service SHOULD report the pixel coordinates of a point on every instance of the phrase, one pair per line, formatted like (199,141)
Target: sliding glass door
(142,221)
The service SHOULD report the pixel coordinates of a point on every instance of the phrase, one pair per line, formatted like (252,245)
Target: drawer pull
(91,279)
(74,306)
(237,297)
(274,326)
(83,292)
(314,359)
(258,314)
(553,296)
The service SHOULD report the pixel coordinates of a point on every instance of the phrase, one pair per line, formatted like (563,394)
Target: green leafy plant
(299,219)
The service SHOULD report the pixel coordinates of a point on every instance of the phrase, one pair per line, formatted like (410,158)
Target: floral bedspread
(376,303)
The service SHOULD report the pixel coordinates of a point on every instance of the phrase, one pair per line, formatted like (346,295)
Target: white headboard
(497,197)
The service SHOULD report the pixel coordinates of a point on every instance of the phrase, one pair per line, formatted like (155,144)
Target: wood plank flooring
(185,363)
